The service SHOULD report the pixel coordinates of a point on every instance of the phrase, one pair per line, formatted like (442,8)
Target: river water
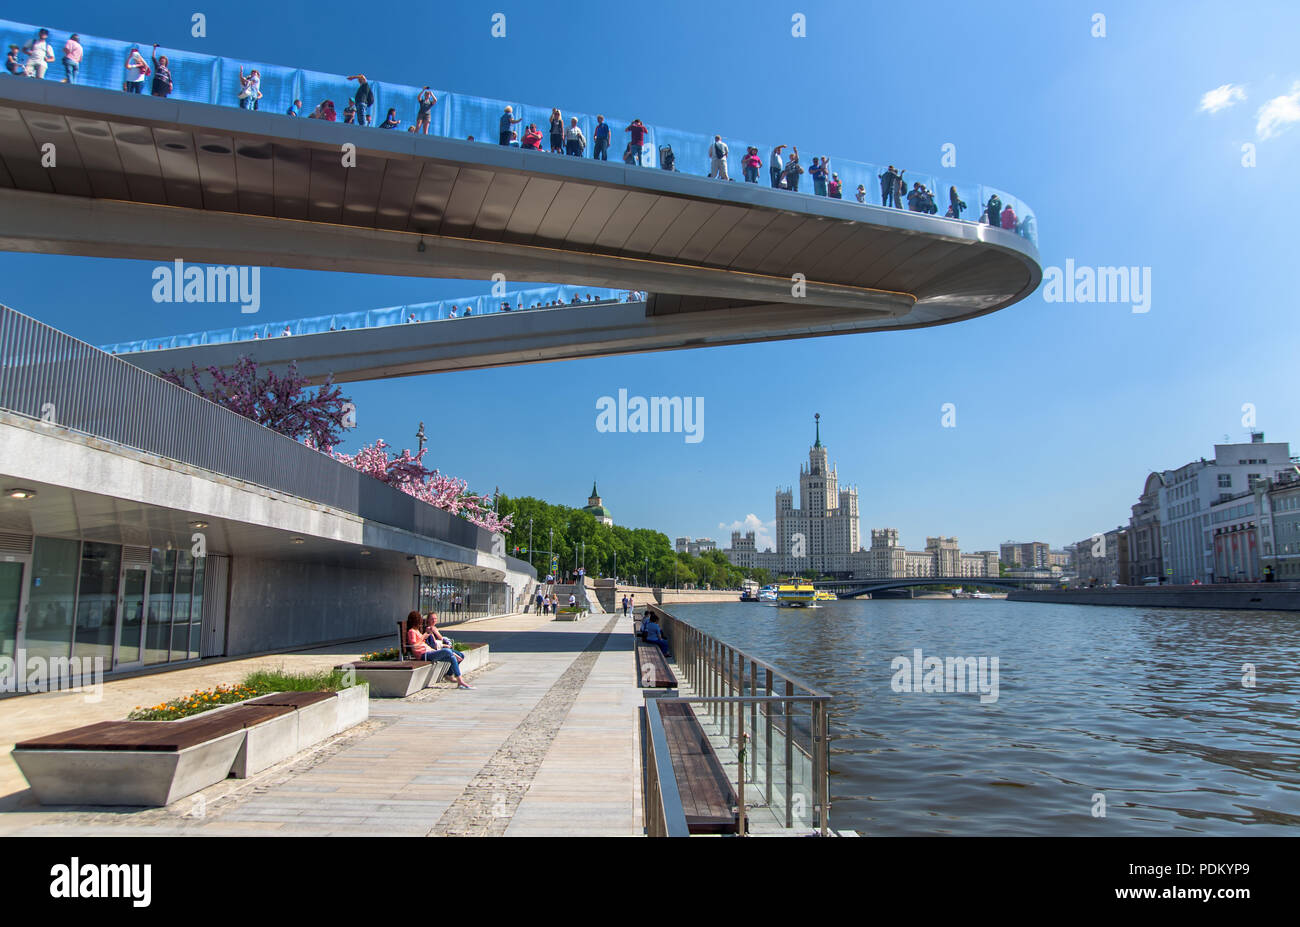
(1143,707)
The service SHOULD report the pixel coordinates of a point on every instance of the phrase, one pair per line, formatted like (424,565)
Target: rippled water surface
(1145,707)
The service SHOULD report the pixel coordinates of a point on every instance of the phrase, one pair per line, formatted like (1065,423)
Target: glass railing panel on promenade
(206,79)
(534,298)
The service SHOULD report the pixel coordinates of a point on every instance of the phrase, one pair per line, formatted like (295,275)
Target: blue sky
(1062,409)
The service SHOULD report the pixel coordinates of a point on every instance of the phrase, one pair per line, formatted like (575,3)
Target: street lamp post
(647,572)
(531,559)
(550,551)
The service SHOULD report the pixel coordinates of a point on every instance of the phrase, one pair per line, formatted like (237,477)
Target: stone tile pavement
(546,744)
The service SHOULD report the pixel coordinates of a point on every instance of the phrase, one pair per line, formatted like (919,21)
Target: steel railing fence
(777,725)
(48,375)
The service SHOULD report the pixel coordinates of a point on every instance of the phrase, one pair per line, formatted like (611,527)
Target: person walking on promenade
(72,53)
(718,152)
(638,130)
(505,129)
(750,164)
(776,167)
(162,75)
(792,171)
(137,69)
(575,143)
(40,54)
(538,599)
(364,99)
(818,174)
(557,131)
(425,102)
(250,88)
(600,140)
(955,204)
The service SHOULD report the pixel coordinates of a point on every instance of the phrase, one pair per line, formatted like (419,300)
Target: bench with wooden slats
(708,799)
(292,699)
(652,670)
(158,736)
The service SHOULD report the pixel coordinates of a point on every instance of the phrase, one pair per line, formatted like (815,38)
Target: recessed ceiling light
(19,492)
(296,541)
(198,524)
(365,553)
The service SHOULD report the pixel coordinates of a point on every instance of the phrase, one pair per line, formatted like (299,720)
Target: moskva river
(1093,720)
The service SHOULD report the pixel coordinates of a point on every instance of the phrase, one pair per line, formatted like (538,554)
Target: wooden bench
(143,762)
(708,800)
(652,670)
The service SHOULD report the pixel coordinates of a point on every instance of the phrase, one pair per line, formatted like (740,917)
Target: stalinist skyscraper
(819,535)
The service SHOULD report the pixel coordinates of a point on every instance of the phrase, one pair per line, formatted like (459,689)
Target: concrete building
(1146,551)
(1030,555)
(1278,502)
(151,527)
(1103,559)
(1235,537)
(1187,494)
(697,546)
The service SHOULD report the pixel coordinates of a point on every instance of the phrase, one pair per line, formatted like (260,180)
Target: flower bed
(261,682)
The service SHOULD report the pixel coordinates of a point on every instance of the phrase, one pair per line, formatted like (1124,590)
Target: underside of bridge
(153,179)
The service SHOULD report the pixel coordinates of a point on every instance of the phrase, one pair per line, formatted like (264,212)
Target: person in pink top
(1009,219)
(419,642)
(750,164)
(72,52)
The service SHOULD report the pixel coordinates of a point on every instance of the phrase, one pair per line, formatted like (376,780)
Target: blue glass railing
(535,298)
(215,80)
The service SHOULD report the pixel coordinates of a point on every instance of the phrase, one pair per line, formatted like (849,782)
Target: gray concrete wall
(1277,597)
(278,604)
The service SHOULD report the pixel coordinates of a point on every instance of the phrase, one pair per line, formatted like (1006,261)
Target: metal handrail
(662,794)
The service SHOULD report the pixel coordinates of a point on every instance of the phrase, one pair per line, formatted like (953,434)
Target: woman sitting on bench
(421,649)
(653,633)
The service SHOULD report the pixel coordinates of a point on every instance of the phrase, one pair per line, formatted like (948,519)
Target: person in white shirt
(718,158)
(39,55)
(136,68)
(575,143)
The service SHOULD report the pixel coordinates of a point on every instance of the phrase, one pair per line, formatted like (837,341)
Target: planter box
(265,745)
(475,658)
(127,777)
(396,679)
(353,706)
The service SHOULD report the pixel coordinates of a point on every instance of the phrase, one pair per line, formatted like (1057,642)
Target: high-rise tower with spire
(819,535)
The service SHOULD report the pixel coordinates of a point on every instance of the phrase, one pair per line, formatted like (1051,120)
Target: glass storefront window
(196,608)
(181,606)
(51,597)
(161,584)
(97,601)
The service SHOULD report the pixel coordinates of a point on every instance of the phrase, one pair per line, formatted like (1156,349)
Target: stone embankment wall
(1278,597)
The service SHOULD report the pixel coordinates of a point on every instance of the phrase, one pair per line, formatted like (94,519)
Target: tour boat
(824,595)
(768,594)
(796,595)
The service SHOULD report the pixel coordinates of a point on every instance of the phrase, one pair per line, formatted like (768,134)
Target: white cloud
(1222,97)
(1278,114)
(764,531)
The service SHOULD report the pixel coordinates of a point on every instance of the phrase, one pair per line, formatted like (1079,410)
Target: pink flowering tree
(282,403)
(407,472)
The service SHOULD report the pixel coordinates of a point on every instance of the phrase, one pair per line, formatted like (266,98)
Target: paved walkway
(545,745)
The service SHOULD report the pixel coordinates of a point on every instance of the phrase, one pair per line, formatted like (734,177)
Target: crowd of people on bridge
(566,138)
